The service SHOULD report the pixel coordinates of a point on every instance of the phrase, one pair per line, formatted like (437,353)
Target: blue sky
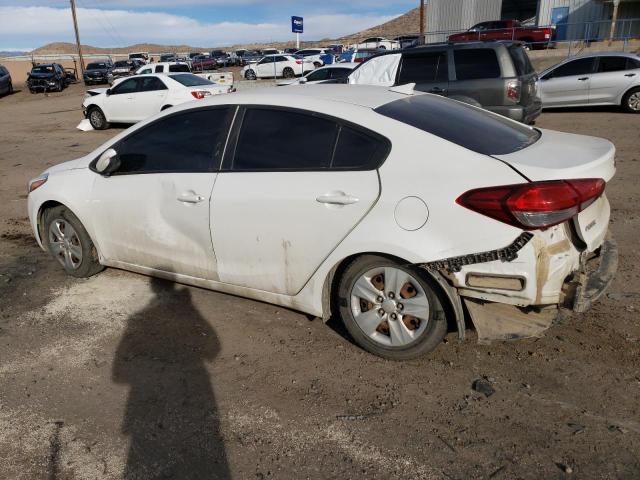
(29,24)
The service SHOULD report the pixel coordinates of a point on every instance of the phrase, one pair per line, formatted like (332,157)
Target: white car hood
(562,156)
(377,71)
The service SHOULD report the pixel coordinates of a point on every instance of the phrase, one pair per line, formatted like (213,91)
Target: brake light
(299,62)
(200,94)
(513,90)
(535,205)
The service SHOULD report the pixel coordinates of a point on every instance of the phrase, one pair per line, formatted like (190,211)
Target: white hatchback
(385,208)
(135,98)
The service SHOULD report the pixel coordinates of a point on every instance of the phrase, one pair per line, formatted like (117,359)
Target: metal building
(574,19)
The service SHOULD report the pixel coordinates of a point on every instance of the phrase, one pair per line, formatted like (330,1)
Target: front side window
(145,71)
(581,66)
(340,72)
(612,64)
(476,63)
(322,74)
(128,86)
(159,68)
(423,68)
(186,142)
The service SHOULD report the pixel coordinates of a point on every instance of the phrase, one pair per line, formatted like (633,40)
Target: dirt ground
(121,376)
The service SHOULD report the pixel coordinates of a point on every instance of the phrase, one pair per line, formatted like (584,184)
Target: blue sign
(296,24)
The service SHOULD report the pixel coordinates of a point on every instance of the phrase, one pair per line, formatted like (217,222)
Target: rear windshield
(461,124)
(190,80)
(520,60)
(179,68)
(42,69)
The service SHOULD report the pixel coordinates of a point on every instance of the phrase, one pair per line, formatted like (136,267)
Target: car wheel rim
(65,244)
(390,306)
(95,118)
(634,101)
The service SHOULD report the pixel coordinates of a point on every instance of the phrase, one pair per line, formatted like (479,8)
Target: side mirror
(108,92)
(108,162)
(303,80)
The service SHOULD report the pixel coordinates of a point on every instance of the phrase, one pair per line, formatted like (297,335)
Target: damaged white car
(408,206)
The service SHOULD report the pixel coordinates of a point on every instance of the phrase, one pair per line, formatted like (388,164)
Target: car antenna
(406,89)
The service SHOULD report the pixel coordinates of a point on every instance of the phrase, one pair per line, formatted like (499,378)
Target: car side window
(159,68)
(476,63)
(145,71)
(179,68)
(632,63)
(581,66)
(425,67)
(277,139)
(150,84)
(356,150)
(339,72)
(612,64)
(185,142)
(281,59)
(128,86)
(322,74)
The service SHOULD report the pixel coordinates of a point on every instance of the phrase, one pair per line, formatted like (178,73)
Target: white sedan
(272,66)
(379,43)
(408,206)
(133,99)
(328,74)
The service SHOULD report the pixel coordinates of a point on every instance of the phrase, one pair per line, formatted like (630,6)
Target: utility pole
(614,19)
(422,39)
(75,26)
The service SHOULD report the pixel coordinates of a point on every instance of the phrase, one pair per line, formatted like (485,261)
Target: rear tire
(631,101)
(97,119)
(10,90)
(250,75)
(69,243)
(288,73)
(373,308)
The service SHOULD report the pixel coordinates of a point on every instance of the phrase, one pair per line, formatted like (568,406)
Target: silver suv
(497,76)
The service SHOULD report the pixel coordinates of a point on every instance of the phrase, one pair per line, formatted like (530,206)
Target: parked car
(358,56)
(46,77)
(314,55)
(604,78)
(98,72)
(379,43)
(327,74)
(271,51)
(123,68)
(6,84)
(141,56)
(290,50)
(335,48)
(273,66)
(497,76)
(387,209)
(408,41)
(202,63)
(135,98)
(164,67)
(168,57)
(533,37)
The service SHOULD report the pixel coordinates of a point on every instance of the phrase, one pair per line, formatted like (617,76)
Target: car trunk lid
(563,156)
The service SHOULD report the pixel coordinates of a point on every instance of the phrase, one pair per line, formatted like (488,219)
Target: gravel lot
(121,375)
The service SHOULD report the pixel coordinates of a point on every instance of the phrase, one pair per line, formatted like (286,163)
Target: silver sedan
(604,78)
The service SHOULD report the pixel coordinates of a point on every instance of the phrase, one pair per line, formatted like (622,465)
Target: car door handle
(629,74)
(582,79)
(338,198)
(190,197)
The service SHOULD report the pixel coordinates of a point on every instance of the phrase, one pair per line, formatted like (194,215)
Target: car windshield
(464,125)
(96,66)
(190,80)
(42,69)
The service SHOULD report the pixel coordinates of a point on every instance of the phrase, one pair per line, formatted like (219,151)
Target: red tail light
(299,62)
(200,94)
(513,90)
(534,205)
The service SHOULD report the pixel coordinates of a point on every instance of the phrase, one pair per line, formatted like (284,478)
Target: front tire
(390,309)
(250,75)
(631,101)
(97,119)
(288,73)
(69,243)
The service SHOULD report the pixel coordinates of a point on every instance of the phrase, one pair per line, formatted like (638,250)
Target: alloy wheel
(65,244)
(390,306)
(634,101)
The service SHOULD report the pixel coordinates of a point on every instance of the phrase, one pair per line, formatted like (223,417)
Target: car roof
(368,96)
(604,54)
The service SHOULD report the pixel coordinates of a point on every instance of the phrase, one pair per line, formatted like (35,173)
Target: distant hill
(12,53)
(405,24)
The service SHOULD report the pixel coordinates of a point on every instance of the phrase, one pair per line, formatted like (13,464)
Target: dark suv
(496,76)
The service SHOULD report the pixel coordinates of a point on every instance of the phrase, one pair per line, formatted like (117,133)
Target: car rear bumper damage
(518,291)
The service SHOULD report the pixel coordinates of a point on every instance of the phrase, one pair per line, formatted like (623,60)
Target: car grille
(40,82)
